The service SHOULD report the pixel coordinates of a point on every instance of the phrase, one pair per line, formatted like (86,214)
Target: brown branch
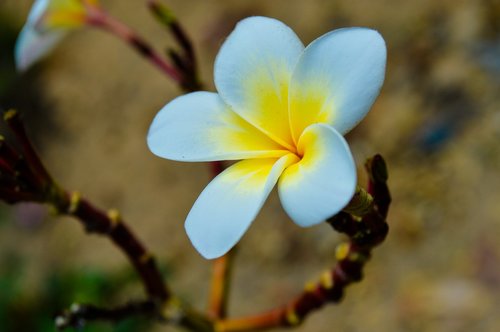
(26,179)
(111,225)
(13,121)
(8,155)
(364,234)
(24,169)
(22,176)
(79,314)
(33,183)
(174,312)
(377,183)
(330,289)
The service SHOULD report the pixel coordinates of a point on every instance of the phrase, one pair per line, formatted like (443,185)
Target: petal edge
(228,205)
(199,126)
(323,182)
(252,73)
(348,67)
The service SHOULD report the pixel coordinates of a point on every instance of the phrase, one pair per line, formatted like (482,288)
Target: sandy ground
(437,122)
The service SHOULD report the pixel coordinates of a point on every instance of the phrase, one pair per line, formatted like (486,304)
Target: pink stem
(99,18)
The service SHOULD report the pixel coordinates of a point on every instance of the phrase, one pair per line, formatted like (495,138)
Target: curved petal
(37,10)
(323,182)
(200,127)
(252,74)
(32,46)
(229,204)
(337,79)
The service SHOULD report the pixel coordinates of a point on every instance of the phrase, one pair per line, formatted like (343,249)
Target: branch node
(310,287)
(114,218)
(361,203)
(342,251)
(146,258)
(74,202)
(172,310)
(326,280)
(292,318)
(10,114)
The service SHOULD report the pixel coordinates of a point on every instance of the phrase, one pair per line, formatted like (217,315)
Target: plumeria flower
(48,22)
(281,109)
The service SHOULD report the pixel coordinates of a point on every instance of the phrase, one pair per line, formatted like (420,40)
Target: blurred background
(437,122)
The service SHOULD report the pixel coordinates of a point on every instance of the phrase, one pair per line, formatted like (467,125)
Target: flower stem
(221,271)
(101,19)
(268,320)
(165,16)
(184,59)
(220,285)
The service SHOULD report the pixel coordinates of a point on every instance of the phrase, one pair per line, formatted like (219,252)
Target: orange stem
(221,271)
(219,290)
(264,321)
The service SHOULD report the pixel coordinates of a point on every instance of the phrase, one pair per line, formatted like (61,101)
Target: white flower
(281,109)
(48,22)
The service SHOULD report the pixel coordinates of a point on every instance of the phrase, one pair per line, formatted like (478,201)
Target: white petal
(200,127)
(32,45)
(337,79)
(253,70)
(229,204)
(37,10)
(323,182)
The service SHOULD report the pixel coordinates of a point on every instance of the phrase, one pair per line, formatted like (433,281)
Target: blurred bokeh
(437,123)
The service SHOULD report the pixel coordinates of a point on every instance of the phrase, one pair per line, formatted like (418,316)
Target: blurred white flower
(47,23)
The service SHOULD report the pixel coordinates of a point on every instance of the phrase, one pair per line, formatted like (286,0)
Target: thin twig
(13,121)
(221,271)
(168,19)
(185,59)
(173,312)
(220,285)
(110,224)
(30,170)
(99,18)
(161,302)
